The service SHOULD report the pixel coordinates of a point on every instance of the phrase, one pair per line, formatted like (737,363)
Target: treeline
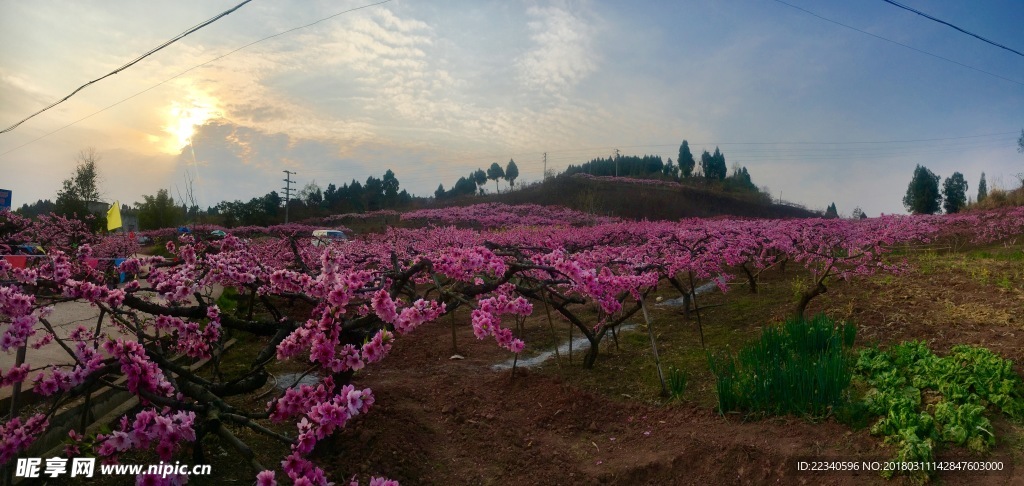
(475,182)
(924,196)
(712,168)
(161,210)
(313,201)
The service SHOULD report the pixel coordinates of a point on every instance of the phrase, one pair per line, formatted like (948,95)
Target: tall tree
(159,211)
(391,186)
(480,178)
(511,173)
(439,193)
(1020,142)
(81,189)
(713,165)
(982,188)
(954,191)
(923,195)
(721,170)
(685,160)
(831,212)
(495,172)
(705,164)
(311,195)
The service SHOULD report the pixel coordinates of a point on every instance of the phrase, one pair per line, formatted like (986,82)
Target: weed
(676,382)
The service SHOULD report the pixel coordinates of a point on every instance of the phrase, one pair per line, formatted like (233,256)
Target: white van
(328,237)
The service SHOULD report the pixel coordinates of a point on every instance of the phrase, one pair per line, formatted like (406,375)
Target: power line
(130,63)
(197,66)
(976,36)
(900,43)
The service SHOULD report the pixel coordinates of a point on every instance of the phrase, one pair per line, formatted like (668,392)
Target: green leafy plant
(959,388)
(801,367)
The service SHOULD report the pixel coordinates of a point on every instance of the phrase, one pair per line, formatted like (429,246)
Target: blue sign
(5,199)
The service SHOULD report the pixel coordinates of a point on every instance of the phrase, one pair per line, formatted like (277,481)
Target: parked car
(218,234)
(328,237)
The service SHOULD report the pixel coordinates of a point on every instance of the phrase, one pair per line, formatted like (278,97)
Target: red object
(92,262)
(17,261)
(131,234)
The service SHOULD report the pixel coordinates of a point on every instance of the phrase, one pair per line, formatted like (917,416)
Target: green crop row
(802,367)
(924,400)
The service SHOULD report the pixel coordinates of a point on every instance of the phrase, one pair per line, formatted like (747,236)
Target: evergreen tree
(511,173)
(713,165)
(495,172)
(464,187)
(721,170)
(705,164)
(480,178)
(685,160)
(982,188)
(954,190)
(439,193)
(831,212)
(858,213)
(923,195)
(390,186)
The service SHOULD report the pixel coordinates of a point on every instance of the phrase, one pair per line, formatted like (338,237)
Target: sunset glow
(184,117)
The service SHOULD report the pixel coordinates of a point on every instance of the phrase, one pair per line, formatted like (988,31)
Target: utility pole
(544,176)
(287,191)
(616,162)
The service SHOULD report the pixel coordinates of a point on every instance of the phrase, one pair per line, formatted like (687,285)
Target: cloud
(562,54)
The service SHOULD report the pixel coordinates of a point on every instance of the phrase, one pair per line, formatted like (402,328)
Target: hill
(641,198)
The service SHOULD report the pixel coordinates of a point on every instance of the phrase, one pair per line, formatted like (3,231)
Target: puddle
(292,380)
(578,344)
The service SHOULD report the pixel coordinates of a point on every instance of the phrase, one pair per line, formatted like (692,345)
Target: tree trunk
(751,279)
(805,299)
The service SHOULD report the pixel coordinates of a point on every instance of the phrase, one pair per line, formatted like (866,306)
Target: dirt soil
(443,421)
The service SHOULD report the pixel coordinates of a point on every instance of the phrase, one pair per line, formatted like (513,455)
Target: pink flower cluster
(141,373)
(16,435)
(90,361)
(497,215)
(190,339)
(164,428)
(19,308)
(410,317)
(465,264)
(93,293)
(14,375)
(327,416)
(322,416)
(486,318)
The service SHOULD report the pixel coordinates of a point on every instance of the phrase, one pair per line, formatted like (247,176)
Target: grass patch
(801,368)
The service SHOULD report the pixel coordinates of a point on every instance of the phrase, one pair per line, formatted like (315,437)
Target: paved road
(65,318)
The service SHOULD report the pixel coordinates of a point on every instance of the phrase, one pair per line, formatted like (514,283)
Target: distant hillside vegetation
(999,198)
(641,198)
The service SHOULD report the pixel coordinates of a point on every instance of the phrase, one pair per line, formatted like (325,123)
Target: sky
(817,112)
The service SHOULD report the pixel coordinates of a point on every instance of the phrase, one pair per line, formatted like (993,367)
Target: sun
(184,117)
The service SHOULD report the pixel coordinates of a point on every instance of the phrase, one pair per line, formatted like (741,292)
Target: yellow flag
(114,217)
